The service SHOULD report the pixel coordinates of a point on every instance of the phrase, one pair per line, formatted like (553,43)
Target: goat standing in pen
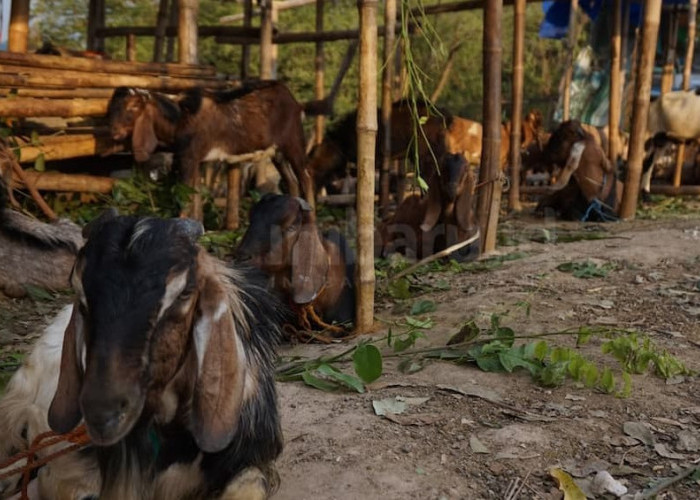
(306,268)
(217,125)
(168,358)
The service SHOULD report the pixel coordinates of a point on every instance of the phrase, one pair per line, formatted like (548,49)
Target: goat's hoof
(249,484)
(646,197)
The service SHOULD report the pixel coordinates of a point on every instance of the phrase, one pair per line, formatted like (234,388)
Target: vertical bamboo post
(245,48)
(233,195)
(615,84)
(91,24)
(489,197)
(568,74)
(266,40)
(387,82)
(172,22)
(640,109)
(517,105)
(131,47)
(319,62)
(19,26)
(366,141)
(687,69)
(99,23)
(670,59)
(397,93)
(161,25)
(187,31)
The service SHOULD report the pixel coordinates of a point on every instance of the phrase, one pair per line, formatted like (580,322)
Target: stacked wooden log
(41,87)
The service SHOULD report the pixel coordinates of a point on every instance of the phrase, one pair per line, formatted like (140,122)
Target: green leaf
(626,386)
(513,358)
(318,383)
(423,307)
(607,381)
(422,184)
(490,363)
(399,289)
(368,362)
(423,324)
(40,163)
(590,375)
(469,331)
(345,379)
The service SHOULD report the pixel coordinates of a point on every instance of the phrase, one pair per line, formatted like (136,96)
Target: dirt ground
(470,434)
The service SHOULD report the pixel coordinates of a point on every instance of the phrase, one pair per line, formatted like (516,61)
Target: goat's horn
(304,204)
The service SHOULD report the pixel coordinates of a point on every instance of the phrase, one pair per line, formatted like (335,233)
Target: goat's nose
(104,416)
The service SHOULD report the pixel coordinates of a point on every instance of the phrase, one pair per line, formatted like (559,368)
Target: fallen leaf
(639,431)
(416,420)
(567,485)
(605,483)
(661,449)
(389,405)
(688,441)
(574,397)
(477,446)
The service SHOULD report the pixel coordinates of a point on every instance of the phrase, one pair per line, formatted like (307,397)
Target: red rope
(78,437)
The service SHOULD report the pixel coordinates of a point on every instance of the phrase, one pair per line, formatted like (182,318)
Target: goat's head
(148,307)
(326,162)
(283,240)
(128,114)
(451,193)
(556,151)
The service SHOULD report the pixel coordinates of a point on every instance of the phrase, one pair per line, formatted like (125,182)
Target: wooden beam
(57,93)
(640,109)
(161,26)
(387,82)
(187,31)
(667,70)
(489,195)
(265,39)
(19,26)
(569,70)
(687,69)
(202,31)
(303,37)
(366,141)
(245,49)
(675,190)
(457,7)
(61,147)
(15,76)
(104,66)
(25,107)
(516,116)
(55,181)
(615,106)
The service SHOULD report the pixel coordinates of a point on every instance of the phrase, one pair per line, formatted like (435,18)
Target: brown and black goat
(444,217)
(34,253)
(217,125)
(585,178)
(168,358)
(305,267)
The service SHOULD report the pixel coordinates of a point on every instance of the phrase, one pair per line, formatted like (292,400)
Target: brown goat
(304,267)
(168,358)
(422,226)
(580,160)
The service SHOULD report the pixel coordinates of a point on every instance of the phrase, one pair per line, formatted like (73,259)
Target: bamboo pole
(61,147)
(91,26)
(299,37)
(19,26)
(245,48)
(366,141)
(489,197)
(675,190)
(187,31)
(233,196)
(615,83)
(99,24)
(568,74)
(640,110)
(57,93)
(131,48)
(670,52)
(40,61)
(687,69)
(24,107)
(517,104)
(319,63)
(387,82)
(14,76)
(161,26)
(55,181)
(266,28)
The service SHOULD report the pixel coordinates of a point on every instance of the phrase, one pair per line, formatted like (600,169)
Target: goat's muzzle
(109,414)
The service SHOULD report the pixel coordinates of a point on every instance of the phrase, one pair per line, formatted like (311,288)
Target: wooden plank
(55,181)
(24,107)
(61,147)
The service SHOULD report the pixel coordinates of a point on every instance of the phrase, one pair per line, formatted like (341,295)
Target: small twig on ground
(666,483)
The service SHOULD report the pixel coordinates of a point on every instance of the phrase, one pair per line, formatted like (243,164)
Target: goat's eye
(293,228)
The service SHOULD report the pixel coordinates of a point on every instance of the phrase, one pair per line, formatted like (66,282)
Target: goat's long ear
(144,141)
(64,412)
(434,207)
(309,260)
(221,369)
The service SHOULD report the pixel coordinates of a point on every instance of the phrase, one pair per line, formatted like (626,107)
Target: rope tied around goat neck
(78,437)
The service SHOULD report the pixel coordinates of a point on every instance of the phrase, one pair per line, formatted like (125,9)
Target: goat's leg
(249,484)
(294,153)
(190,172)
(287,174)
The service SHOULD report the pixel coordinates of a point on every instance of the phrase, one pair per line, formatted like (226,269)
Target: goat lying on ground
(427,225)
(168,358)
(216,125)
(586,177)
(283,241)
(33,253)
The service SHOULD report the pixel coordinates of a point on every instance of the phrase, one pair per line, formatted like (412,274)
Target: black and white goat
(168,358)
